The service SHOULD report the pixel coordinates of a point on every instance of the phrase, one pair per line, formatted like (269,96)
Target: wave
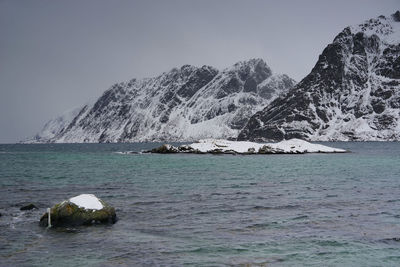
(127,152)
(276,207)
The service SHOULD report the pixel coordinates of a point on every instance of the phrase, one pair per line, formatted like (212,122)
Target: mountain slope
(184,104)
(352,93)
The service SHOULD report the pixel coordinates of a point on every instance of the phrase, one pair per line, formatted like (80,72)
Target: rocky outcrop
(214,146)
(81,210)
(28,207)
(352,93)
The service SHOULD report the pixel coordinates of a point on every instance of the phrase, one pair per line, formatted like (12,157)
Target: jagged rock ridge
(352,93)
(185,104)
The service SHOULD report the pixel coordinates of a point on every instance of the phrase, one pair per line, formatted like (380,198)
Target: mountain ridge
(351,94)
(184,104)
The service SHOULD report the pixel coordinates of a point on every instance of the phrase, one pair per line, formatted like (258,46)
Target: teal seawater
(204,210)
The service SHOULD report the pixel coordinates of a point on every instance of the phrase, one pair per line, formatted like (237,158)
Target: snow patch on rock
(87,201)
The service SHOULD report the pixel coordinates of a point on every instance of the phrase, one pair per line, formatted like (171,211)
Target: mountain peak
(352,93)
(386,28)
(255,68)
(253,62)
(396,16)
(184,104)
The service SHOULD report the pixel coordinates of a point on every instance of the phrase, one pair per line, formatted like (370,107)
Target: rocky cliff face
(185,104)
(352,93)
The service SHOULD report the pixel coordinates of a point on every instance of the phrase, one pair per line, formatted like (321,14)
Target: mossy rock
(67,213)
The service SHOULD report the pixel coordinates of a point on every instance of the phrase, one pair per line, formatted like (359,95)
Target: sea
(204,210)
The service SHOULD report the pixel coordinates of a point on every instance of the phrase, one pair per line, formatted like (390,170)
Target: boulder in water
(85,209)
(28,207)
(164,149)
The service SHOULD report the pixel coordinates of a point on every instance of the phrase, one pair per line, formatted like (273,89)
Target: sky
(57,55)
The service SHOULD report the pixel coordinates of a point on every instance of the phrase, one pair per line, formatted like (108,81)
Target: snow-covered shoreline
(220,146)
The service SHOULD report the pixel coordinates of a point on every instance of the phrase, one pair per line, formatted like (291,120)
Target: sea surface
(204,210)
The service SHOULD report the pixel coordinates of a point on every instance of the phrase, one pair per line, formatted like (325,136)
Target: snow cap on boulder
(85,209)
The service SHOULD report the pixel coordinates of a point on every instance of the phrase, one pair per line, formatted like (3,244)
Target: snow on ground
(87,201)
(286,146)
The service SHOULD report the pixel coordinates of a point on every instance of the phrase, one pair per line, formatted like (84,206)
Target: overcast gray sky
(57,55)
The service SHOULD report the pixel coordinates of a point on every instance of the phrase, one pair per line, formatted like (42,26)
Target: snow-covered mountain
(352,93)
(185,104)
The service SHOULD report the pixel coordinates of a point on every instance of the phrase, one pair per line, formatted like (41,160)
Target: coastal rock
(28,207)
(85,209)
(164,149)
(219,146)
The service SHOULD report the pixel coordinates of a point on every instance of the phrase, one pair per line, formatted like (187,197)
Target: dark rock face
(28,207)
(352,93)
(185,104)
(69,214)
(396,16)
(164,149)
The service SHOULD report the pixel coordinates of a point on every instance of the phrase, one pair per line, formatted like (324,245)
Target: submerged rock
(28,207)
(85,209)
